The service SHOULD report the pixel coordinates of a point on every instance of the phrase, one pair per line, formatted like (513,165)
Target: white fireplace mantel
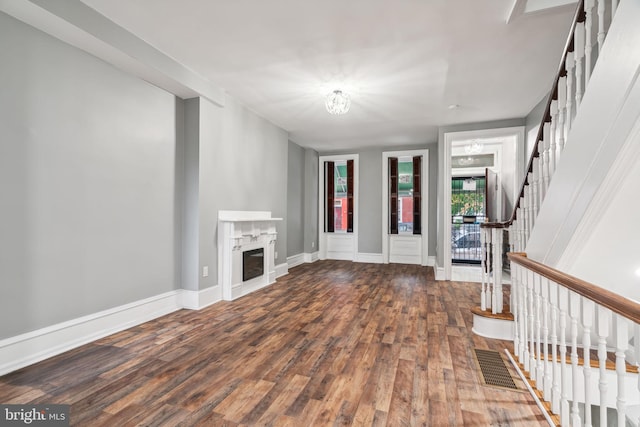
(240,231)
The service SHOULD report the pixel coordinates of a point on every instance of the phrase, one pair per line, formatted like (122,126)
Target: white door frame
(449,139)
(424,173)
(327,240)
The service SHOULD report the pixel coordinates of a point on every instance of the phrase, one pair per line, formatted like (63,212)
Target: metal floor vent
(494,371)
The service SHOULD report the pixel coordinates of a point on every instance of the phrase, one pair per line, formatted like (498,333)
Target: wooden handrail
(578,17)
(614,302)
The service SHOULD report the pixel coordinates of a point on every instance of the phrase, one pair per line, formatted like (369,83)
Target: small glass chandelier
(474,148)
(338,102)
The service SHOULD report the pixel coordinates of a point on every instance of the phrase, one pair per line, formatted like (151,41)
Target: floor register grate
(494,371)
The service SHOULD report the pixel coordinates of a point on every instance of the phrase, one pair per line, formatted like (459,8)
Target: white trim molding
(295,260)
(311,257)
(431,261)
(282,269)
(417,253)
(338,245)
(196,300)
(369,258)
(31,347)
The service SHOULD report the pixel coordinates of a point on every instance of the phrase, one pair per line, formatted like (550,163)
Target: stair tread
(505,315)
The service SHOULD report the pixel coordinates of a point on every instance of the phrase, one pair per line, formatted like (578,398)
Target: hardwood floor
(332,343)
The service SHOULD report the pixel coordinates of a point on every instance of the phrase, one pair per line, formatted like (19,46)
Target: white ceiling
(404,62)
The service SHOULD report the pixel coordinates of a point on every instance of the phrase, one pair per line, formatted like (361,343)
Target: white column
(622,343)
(563,303)
(602,329)
(588,26)
(574,313)
(588,308)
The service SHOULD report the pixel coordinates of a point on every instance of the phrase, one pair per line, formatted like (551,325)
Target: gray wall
(458,128)
(89,196)
(295,200)
(310,200)
(370,193)
(302,200)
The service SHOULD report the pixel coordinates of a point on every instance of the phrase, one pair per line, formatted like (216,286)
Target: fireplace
(252,264)
(246,251)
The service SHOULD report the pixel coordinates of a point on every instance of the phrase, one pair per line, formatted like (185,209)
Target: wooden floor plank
(331,343)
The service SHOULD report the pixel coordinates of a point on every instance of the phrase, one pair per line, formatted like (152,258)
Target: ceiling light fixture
(338,102)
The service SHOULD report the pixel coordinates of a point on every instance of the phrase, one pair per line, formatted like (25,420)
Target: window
(405,195)
(339,196)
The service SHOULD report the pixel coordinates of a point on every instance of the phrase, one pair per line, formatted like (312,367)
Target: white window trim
(322,241)
(424,236)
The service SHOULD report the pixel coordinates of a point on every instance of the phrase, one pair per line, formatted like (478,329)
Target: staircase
(576,344)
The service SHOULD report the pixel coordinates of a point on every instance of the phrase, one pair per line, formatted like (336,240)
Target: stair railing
(584,44)
(555,317)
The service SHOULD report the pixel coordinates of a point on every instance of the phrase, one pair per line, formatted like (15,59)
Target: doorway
(469,154)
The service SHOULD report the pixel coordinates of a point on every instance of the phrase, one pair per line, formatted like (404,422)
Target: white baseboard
(295,260)
(368,258)
(431,261)
(438,271)
(282,269)
(311,257)
(31,347)
(196,300)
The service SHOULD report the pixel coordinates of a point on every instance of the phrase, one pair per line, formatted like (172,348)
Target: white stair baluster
(574,314)
(588,46)
(535,187)
(621,330)
(546,132)
(588,307)
(483,246)
(526,321)
(538,319)
(532,345)
(522,309)
(552,139)
(578,53)
(602,329)
(563,304)
(636,343)
(496,243)
(570,65)
(544,294)
(555,388)
(562,110)
(602,32)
